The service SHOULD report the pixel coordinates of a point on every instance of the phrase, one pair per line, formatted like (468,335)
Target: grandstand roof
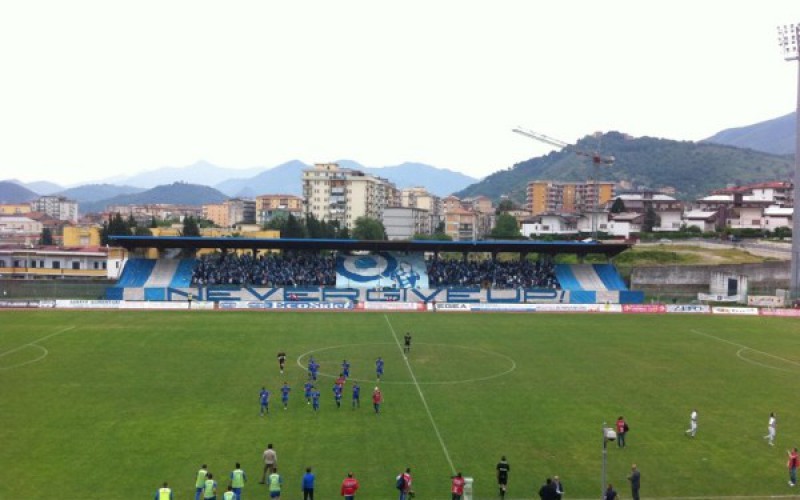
(491,246)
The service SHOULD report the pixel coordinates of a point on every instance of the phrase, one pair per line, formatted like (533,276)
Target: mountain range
(759,152)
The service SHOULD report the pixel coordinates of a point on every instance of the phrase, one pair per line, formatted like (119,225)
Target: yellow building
(14,208)
(81,237)
(567,197)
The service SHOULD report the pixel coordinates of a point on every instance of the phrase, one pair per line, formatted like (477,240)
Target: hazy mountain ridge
(13,192)
(177,193)
(776,136)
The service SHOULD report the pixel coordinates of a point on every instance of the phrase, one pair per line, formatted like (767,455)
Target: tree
(618,206)
(313,226)
(142,231)
(650,220)
(506,227)
(117,226)
(153,223)
(505,205)
(293,228)
(190,227)
(46,239)
(367,228)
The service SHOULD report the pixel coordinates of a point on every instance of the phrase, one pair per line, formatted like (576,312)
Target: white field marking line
(789,361)
(444,382)
(421,396)
(746,360)
(45,352)
(23,346)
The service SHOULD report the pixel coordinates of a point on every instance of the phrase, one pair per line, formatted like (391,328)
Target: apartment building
(567,197)
(231,212)
(59,207)
(271,205)
(402,223)
(339,194)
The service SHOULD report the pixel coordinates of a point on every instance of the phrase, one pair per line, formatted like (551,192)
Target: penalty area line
(29,344)
(421,396)
(789,361)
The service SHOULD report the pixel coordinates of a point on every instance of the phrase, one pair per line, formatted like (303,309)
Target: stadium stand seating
(611,278)
(136,273)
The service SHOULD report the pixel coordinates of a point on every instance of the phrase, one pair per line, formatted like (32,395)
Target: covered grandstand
(332,270)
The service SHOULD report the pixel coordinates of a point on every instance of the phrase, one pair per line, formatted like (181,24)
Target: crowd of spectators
(270,270)
(286,270)
(494,274)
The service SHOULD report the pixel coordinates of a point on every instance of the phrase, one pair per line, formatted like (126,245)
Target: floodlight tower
(789,40)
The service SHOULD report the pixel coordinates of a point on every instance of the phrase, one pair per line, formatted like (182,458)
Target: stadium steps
(587,277)
(136,272)
(611,278)
(183,274)
(565,277)
(133,294)
(162,273)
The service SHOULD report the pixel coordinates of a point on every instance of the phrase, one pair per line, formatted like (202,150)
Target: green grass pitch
(107,405)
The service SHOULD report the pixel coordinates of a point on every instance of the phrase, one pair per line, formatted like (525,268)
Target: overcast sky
(93,89)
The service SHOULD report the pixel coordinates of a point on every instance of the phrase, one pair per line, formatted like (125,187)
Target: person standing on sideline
(558,487)
(210,489)
(635,479)
(503,468)
(281,360)
(548,490)
(407,344)
(622,430)
(349,487)
(356,396)
(792,466)
(404,483)
(379,367)
(238,478)
(229,495)
(285,395)
(771,429)
(263,398)
(275,483)
(308,484)
(200,481)
(270,462)
(457,486)
(692,430)
(164,493)
(377,399)
(610,494)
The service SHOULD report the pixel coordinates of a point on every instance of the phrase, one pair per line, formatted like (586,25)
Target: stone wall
(761,276)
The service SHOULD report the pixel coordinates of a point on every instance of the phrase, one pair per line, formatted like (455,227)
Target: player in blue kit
(307,391)
(356,396)
(313,368)
(285,394)
(379,367)
(345,369)
(315,399)
(263,398)
(337,395)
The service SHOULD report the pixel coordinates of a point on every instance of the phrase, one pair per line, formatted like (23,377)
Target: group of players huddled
(311,391)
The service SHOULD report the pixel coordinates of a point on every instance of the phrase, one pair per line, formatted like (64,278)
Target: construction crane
(597,161)
(597,158)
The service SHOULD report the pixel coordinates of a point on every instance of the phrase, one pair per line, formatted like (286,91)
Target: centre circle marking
(512,364)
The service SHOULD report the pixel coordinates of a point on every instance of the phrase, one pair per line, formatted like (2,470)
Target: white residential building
(333,193)
(402,223)
(58,207)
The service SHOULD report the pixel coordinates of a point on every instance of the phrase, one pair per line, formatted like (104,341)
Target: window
(33,263)
(56,264)
(76,265)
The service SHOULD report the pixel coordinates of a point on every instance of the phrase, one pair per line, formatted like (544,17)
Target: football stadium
(481,358)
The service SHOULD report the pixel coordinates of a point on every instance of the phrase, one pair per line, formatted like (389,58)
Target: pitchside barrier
(222,293)
(435,307)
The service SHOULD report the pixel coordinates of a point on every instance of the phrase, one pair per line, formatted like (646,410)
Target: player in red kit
(349,487)
(377,399)
(457,487)
(622,430)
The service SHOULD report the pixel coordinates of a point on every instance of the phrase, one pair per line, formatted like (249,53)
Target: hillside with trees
(693,169)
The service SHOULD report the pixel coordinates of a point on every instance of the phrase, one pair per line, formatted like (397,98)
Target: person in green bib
(229,495)
(200,482)
(164,493)
(210,489)
(238,478)
(275,481)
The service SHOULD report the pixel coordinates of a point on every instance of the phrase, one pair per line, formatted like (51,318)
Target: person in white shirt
(692,430)
(771,428)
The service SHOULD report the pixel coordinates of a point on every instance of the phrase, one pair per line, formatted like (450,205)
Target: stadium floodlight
(789,41)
